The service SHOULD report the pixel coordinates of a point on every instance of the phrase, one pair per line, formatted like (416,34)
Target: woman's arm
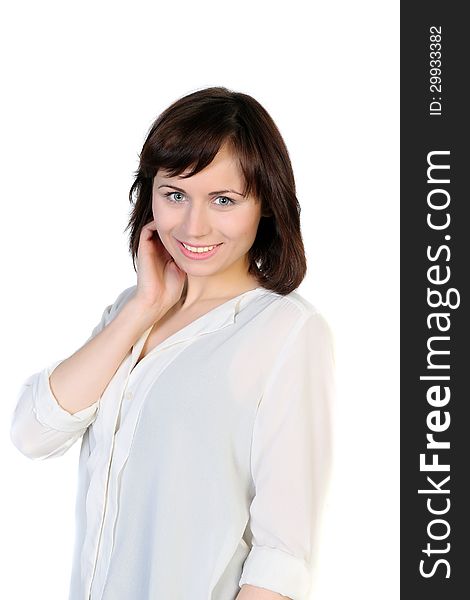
(252,592)
(291,454)
(56,405)
(82,378)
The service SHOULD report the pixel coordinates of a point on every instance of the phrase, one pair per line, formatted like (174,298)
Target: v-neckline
(187,330)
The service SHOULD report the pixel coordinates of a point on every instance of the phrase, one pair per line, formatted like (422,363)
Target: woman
(203,395)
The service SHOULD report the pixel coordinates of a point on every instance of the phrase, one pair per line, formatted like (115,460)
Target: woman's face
(206,209)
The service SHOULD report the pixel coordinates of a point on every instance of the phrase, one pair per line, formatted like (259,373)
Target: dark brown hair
(188,134)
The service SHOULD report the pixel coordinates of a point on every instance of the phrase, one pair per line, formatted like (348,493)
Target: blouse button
(128,395)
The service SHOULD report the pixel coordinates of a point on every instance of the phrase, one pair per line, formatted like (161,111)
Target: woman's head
(227,138)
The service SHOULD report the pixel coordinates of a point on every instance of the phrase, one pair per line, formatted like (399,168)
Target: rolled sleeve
(41,428)
(291,461)
(277,571)
(48,410)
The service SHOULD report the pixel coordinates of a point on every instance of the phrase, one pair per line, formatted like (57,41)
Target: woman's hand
(251,592)
(160,281)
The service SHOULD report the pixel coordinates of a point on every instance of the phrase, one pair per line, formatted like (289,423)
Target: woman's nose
(196,221)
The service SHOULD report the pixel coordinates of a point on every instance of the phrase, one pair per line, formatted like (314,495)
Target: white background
(82,83)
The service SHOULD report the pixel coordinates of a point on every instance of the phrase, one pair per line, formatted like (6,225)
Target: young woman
(203,395)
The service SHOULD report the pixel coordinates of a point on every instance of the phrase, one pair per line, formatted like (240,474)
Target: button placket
(116,461)
(108,469)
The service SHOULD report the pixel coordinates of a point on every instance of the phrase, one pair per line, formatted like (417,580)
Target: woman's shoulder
(125,295)
(298,318)
(292,306)
(122,298)
(293,312)
(304,306)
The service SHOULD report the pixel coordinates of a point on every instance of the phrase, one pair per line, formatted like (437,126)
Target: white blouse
(205,465)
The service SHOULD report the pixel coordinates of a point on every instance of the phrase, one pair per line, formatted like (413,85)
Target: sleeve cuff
(49,412)
(277,571)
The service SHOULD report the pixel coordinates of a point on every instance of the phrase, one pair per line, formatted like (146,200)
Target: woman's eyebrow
(209,194)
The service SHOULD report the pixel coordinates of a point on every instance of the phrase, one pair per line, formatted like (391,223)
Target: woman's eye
(226,201)
(168,194)
(229,203)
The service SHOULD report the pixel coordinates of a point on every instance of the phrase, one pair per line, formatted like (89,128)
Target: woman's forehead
(223,163)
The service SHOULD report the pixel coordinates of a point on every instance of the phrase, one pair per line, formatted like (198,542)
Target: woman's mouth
(198,253)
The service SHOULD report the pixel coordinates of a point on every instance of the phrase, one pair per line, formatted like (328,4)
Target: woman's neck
(229,290)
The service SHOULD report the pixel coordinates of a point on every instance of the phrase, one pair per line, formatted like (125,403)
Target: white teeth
(199,250)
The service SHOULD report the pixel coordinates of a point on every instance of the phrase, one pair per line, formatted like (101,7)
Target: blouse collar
(217,318)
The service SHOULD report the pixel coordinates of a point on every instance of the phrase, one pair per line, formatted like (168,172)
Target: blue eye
(225,198)
(169,194)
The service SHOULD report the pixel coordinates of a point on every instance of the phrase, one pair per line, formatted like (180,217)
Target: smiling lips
(198,252)
(199,248)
